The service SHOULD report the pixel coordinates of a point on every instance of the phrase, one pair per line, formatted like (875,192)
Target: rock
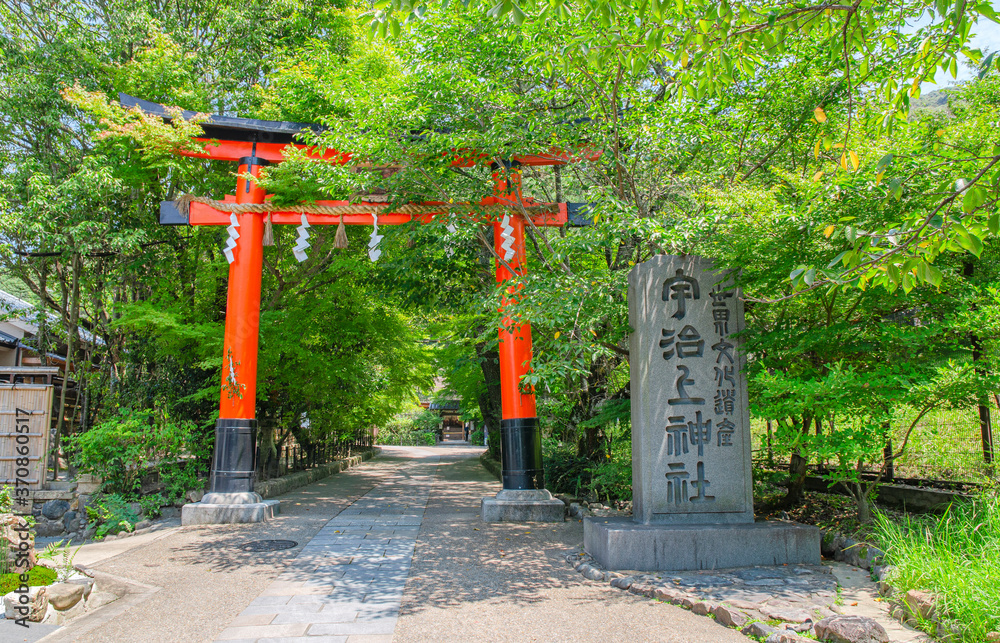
(88,533)
(55,509)
(687,602)
(32,604)
(143,524)
(921,604)
(69,517)
(850,629)
(622,583)
(88,484)
(195,495)
(785,637)
(642,589)
(668,595)
(758,630)
(730,617)
(55,617)
(593,574)
(100,599)
(758,573)
(170,512)
(49,529)
(790,615)
(702,608)
(86,583)
(63,596)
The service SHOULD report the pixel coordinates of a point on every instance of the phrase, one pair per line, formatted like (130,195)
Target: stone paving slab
(347,581)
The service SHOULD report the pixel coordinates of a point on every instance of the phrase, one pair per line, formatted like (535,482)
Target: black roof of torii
(229,128)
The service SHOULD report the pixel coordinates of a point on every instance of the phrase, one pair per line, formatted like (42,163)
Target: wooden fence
(25,416)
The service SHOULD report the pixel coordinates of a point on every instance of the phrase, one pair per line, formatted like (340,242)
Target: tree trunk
(985,424)
(490,404)
(797,472)
(74,318)
(861,498)
(43,354)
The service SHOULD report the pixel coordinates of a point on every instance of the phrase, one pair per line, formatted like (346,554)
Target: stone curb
(733,614)
(491,465)
(284,484)
(130,594)
(913,608)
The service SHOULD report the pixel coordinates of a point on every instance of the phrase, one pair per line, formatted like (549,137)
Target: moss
(39,575)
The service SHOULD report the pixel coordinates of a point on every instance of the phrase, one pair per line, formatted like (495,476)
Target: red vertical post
(520,435)
(234,462)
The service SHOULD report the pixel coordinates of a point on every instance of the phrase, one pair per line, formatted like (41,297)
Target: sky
(986,39)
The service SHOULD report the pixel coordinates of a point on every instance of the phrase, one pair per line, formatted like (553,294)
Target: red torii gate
(254,144)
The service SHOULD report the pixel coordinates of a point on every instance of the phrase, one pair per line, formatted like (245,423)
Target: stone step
(42,495)
(61,485)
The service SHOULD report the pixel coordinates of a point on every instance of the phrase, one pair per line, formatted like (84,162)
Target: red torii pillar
(234,459)
(523,497)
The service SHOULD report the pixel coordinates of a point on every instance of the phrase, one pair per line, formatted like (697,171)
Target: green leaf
(517,15)
(934,275)
(973,198)
(985,67)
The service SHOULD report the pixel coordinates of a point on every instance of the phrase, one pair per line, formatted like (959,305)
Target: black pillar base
(235,461)
(521,454)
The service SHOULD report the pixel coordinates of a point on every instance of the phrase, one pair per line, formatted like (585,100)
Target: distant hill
(936,101)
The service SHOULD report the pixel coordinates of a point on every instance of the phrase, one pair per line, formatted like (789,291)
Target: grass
(955,556)
(946,445)
(38,575)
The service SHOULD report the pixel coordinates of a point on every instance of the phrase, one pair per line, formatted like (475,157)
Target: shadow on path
(473,581)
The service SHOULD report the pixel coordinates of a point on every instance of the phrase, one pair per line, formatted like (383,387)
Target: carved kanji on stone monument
(690,424)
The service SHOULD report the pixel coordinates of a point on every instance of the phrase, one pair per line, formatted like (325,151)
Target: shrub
(38,576)
(415,427)
(112,514)
(124,448)
(565,472)
(477,437)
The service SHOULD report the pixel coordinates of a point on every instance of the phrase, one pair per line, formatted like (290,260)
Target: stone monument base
(527,505)
(225,508)
(621,543)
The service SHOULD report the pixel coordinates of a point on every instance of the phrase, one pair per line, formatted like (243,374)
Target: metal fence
(293,457)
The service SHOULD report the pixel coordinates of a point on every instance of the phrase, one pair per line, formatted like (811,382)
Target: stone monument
(692,492)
